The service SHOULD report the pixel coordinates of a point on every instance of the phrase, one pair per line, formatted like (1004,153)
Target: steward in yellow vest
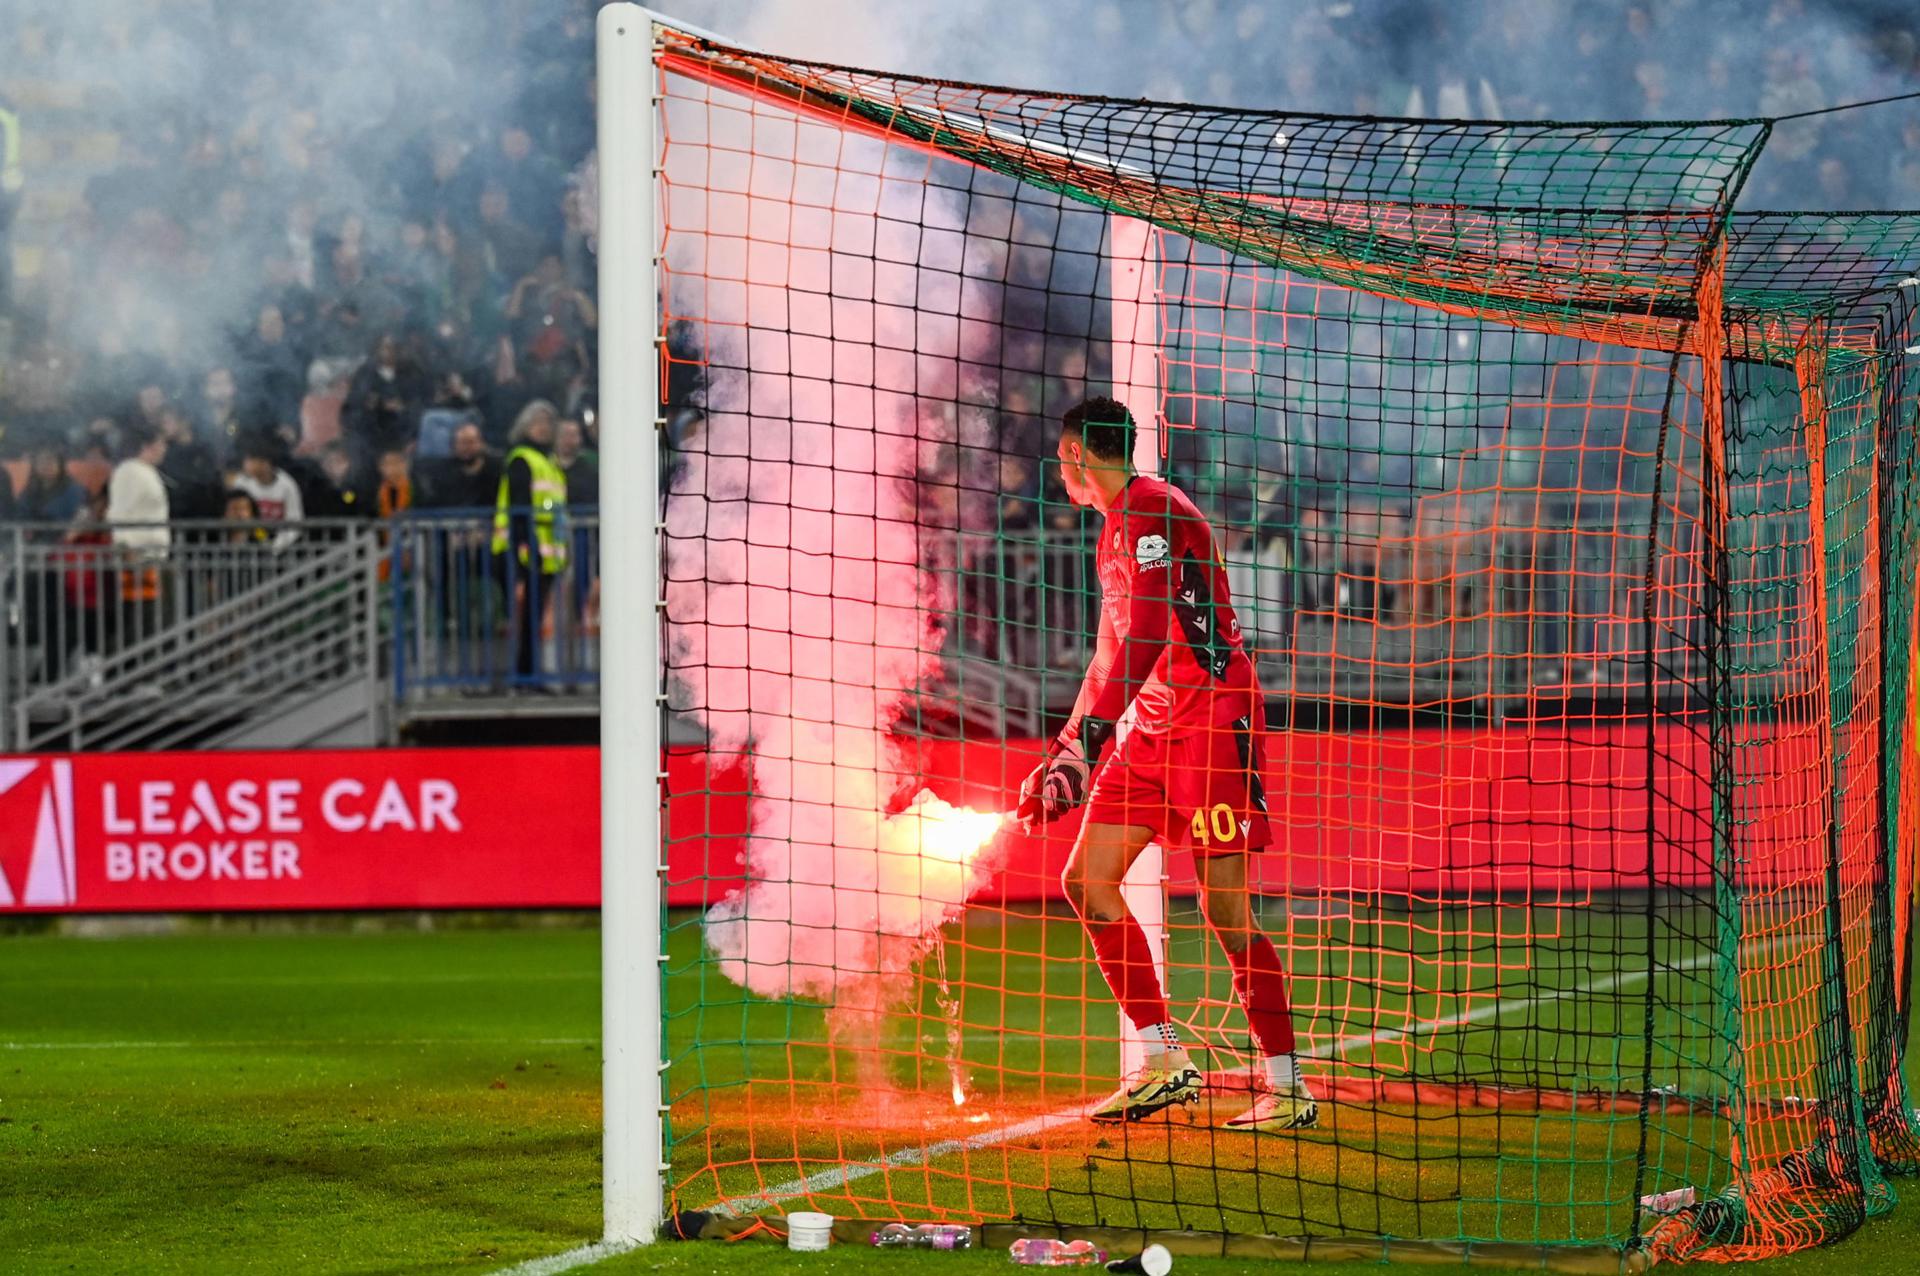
(530,507)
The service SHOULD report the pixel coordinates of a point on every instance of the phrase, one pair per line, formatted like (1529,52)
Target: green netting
(1569,517)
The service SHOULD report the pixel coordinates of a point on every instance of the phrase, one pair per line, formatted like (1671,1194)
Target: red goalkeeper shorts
(1200,789)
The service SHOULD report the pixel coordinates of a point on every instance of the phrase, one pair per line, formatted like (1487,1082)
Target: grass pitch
(399,1102)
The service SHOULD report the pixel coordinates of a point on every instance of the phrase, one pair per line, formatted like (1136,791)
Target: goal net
(1568,518)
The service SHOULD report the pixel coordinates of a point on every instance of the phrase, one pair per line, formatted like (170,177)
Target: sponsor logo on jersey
(1152,550)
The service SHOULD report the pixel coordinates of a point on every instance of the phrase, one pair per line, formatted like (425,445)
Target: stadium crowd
(323,316)
(337,294)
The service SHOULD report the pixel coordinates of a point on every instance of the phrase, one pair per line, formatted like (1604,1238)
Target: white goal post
(632,685)
(632,677)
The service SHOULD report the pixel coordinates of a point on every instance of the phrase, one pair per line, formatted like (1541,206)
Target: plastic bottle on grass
(1668,1202)
(1045,1251)
(924,1236)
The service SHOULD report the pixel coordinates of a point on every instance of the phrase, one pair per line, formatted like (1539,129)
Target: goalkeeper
(1173,692)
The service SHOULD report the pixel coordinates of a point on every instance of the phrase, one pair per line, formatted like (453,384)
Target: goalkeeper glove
(1060,782)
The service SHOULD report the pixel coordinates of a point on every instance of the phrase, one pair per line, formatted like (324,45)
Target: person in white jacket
(137,511)
(137,506)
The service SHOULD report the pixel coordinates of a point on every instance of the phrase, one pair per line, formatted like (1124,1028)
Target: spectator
(509,248)
(339,332)
(581,467)
(218,421)
(529,530)
(415,272)
(51,499)
(194,485)
(269,378)
(395,493)
(452,408)
(532,182)
(138,513)
(458,594)
(271,488)
(384,402)
(499,392)
(435,178)
(456,275)
(353,285)
(242,515)
(334,493)
(79,563)
(100,442)
(323,407)
(469,479)
(551,321)
(393,498)
(51,494)
(150,404)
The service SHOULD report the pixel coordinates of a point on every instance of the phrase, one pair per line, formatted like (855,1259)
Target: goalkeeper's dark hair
(1104,425)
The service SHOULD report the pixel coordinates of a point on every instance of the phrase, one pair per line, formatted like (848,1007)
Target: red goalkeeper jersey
(1158,566)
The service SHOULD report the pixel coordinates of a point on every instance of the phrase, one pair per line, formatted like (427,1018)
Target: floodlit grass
(402,1102)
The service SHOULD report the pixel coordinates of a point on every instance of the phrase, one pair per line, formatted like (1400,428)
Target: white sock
(1160,1040)
(1283,1073)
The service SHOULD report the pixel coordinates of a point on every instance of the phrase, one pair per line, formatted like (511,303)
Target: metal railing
(111,648)
(1483,618)
(475,630)
(213,630)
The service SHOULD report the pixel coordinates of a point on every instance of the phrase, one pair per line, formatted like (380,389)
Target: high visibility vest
(549,510)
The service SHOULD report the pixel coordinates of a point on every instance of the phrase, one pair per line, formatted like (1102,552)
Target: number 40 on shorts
(1224,824)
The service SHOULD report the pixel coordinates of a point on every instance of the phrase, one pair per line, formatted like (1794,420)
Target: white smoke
(800,615)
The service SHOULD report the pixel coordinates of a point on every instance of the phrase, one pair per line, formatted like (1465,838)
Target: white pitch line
(271,1042)
(573,1258)
(303,981)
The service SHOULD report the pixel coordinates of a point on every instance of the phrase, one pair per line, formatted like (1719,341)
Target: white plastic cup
(809,1233)
(1154,1260)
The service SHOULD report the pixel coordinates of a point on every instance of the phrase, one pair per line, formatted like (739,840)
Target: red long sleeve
(1149,613)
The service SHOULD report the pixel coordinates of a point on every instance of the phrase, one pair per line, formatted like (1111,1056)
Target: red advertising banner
(1429,812)
(377,828)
